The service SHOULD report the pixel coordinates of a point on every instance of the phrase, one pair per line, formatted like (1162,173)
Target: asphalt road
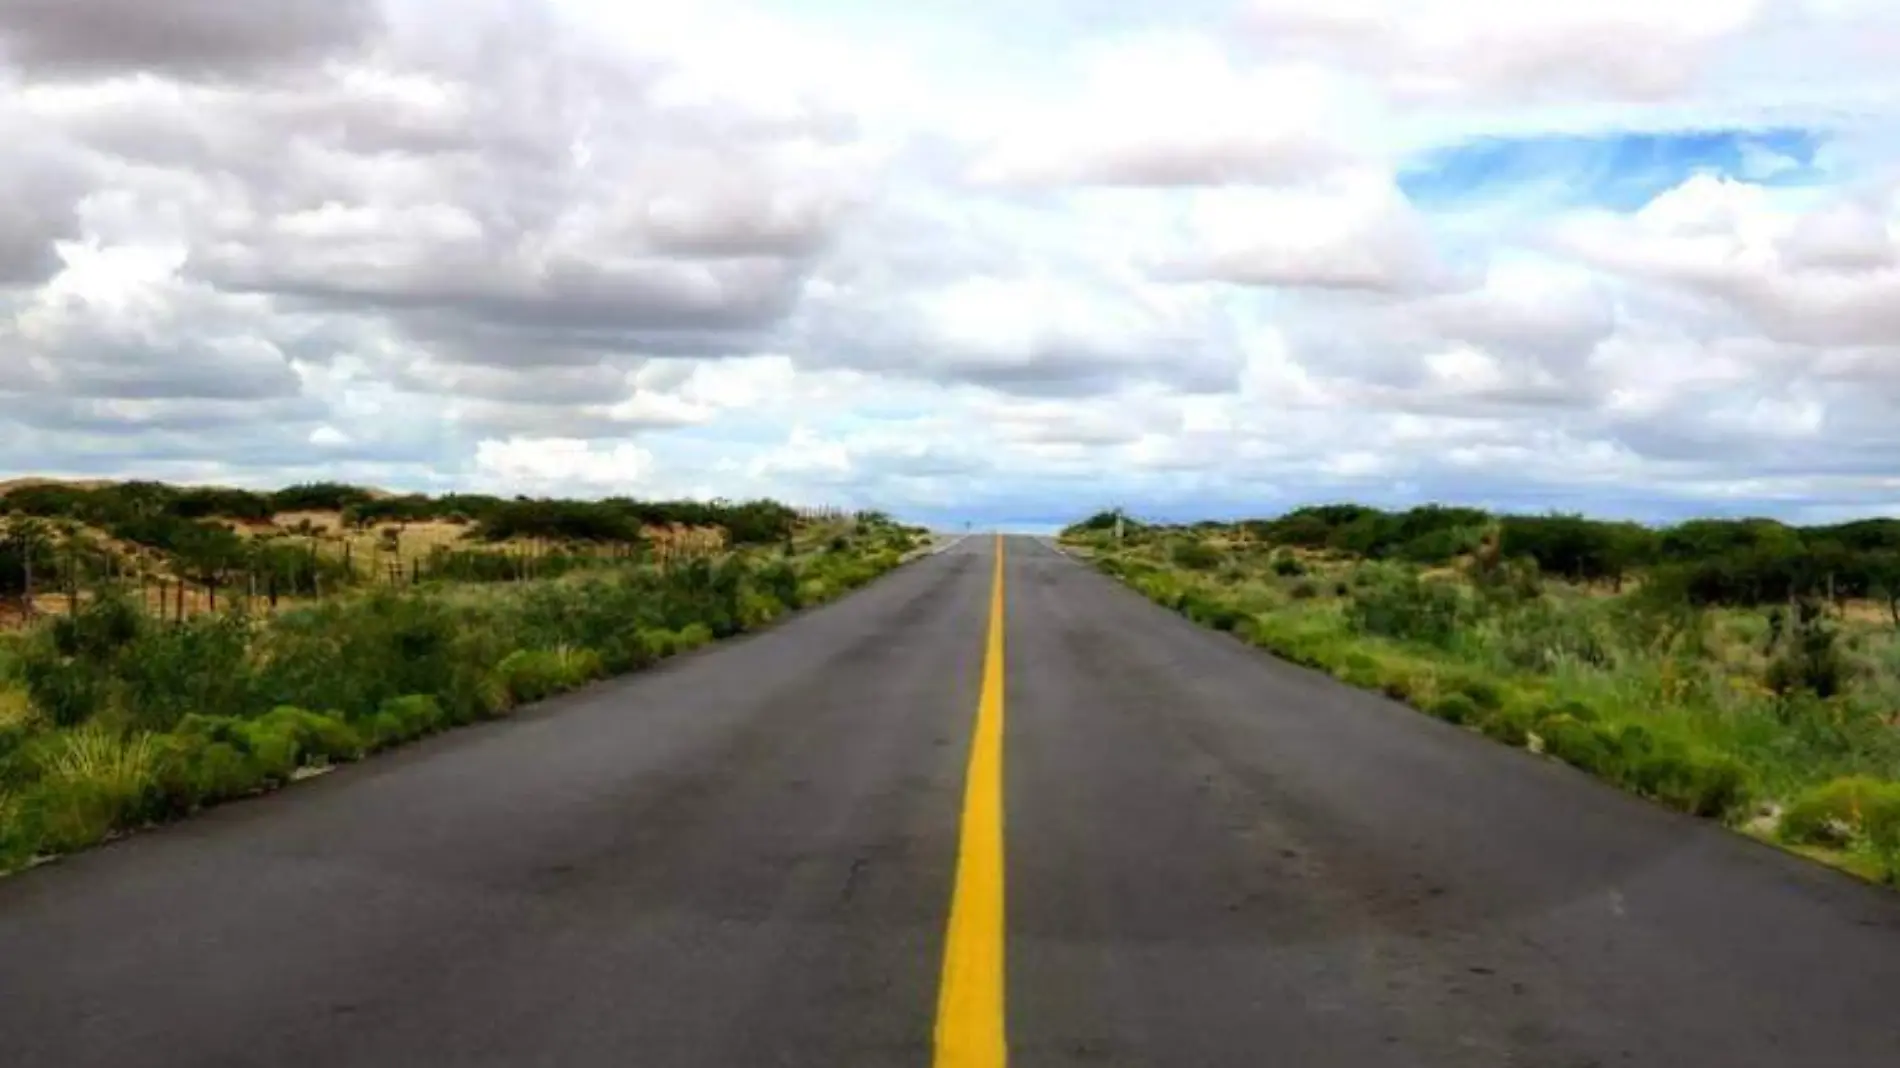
(746,857)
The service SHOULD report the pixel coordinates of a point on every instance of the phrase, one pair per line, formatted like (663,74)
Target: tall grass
(109,718)
(1721,712)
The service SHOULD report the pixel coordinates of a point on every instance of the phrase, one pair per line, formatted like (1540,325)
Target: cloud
(1464,49)
(561,465)
(1172,110)
(189,38)
(505,186)
(117,326)
(1821,275)
(1358,233)
(959,263)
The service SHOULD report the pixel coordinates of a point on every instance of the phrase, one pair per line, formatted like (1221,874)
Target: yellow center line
(970,1003)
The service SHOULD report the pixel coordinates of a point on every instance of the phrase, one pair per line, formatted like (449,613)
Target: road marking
(970,1003)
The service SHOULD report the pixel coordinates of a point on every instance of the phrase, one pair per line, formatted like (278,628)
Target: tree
(25,543)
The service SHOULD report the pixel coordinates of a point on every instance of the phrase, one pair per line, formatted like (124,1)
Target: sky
(971,262)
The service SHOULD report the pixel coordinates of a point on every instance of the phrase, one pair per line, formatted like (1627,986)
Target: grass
(110,719)
(375,554)
(1693,708)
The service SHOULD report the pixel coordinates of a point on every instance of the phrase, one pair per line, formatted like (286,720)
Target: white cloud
(563,465)
(1486,48)
(1172,110)
(971,260)
(1357,233)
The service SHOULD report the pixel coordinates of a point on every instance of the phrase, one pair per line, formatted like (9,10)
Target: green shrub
(1358,668)
(16,708)
(92,782)
(202,665)
(1483,692)
(1286,565)
(1196,556)
(1542,635)
(167,712)
(1709,784)
(1881,818)
(1454,708)
(1510,724)
(624,652)
(535,674)
(477,692)
(1401,683)
(198,769)
(318,738)
(1574,742)
(66,689)
(402,719)
(1303,590)
(1399,604)
(1210,610)
(531,674)
(352,655)
(757,608)
(1809,658)
(659,642)
(1577,710)
(1832,814)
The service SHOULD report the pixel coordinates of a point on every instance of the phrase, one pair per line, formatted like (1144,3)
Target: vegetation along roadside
(1741,670)
(113,717)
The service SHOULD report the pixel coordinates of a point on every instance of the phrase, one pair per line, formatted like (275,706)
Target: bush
(148,721)
(1510,724)
(531,675)
(1706,784)
(318,738)
(1210,610)
(411,716)
(534,674)
(1358,669)
(1809,658)
(1881,817)
(1399,604)
(1286,565)
(757,608)
(1454,708)
(1196,556)
(202,665)
(1574,742)
(1482,692)
(624,652)
(351,656)
(1304,590)
(1577,710)
(198,770)
(92,782)
(1402,683)
(1831,814)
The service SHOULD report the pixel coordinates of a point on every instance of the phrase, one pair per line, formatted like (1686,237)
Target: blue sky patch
(1616,171)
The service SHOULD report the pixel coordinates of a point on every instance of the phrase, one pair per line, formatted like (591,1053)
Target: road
(750,855)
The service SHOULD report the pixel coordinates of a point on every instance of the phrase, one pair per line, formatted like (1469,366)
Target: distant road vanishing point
(992,808)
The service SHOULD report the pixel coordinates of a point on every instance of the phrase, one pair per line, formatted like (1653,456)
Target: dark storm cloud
(185,38)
